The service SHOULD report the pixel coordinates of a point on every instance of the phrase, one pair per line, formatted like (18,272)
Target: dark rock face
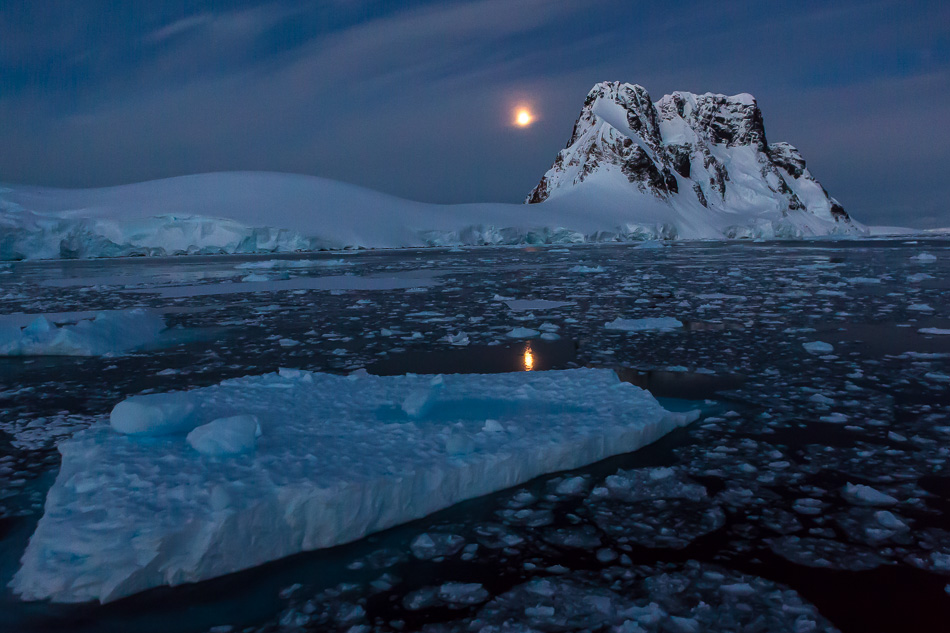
(839,213)
(679,156)
(787,157)
(683,138)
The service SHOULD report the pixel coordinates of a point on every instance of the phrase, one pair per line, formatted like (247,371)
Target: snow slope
(182,489)
(691,166)
(247,212)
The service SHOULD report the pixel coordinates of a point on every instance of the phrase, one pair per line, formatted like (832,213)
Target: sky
(415,98)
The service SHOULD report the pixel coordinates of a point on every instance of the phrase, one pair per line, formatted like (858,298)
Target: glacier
(187,486)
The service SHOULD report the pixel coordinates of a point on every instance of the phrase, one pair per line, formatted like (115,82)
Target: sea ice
(859,494)
(818,347)
(112,332)
(459,338)
(644,325)
(523,332)
(338,458)
(436,545)
(522,305)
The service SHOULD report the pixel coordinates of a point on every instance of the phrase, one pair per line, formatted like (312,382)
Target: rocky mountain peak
(687,150)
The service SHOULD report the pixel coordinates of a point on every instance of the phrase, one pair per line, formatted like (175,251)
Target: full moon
(523,117)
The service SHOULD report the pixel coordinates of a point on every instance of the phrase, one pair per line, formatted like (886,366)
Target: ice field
(812,494)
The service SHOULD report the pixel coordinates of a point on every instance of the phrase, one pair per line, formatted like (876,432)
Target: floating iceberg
(334,458)
(108,333)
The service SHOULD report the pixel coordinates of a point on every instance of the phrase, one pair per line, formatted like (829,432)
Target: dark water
(747,309)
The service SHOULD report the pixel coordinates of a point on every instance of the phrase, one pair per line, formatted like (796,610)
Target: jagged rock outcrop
(697,154)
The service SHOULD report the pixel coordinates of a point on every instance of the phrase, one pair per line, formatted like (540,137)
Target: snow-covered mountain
(686,167)
(689,166)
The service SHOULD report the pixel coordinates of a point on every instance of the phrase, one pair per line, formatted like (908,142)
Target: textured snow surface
(338,457)
(107,333)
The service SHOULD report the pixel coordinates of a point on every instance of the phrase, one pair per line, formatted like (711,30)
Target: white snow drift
(136,505)
(110,332)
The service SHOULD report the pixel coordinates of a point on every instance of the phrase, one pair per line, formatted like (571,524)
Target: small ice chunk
(460,338)
(586,269)
(226,436)
(934,330)
(859,494)
(818,347)
(924,258)
(889,520)
(572,486)
(436,545)
(523,332)
(462,593)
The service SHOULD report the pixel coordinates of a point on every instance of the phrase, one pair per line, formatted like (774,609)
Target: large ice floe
(110,332)
(187,486)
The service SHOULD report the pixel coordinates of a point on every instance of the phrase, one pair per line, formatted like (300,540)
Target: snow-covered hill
(689,166)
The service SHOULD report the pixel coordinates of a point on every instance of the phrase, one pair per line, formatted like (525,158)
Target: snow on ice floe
(109,332)
(338,457)
(226,436)
(647,324)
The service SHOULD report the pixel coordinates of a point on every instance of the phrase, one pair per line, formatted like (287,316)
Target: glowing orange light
(523,117)
(528,359)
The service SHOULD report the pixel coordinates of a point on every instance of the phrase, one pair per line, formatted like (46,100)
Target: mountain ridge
(690,150)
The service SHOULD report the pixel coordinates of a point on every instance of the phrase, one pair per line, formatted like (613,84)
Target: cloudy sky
(415,98)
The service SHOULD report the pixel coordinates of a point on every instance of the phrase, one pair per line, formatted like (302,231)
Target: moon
(523,117)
